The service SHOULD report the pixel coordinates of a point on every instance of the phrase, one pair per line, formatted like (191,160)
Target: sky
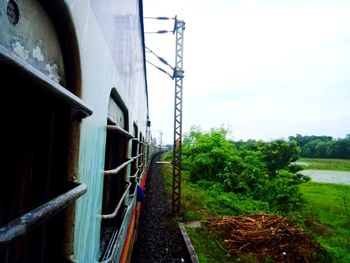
(265,69)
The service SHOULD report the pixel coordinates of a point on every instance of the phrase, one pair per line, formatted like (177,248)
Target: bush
(259,171)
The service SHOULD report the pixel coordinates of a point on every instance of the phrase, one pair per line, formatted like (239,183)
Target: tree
(207,154)
(323,146)
(256,169)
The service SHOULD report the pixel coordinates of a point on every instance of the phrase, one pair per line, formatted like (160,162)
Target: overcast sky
(266,69)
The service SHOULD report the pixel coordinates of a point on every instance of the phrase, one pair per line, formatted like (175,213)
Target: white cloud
(269,69)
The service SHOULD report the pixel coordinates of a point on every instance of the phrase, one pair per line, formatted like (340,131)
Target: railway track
(159,239)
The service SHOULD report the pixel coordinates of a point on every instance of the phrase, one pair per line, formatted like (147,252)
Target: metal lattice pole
(179,28)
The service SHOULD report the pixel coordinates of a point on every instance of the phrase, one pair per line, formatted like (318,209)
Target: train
(76,129)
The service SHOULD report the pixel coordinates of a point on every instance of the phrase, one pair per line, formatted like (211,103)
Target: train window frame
(129,168)
(116,183)
(65,92)
(51,115)
(135,170)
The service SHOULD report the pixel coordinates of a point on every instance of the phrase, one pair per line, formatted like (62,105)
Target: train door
(40,117)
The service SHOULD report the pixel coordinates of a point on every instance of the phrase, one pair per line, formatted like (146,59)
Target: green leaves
(255,169)
(323,146)
(206,154)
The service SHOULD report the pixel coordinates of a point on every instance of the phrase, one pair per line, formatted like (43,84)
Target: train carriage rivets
(12,12)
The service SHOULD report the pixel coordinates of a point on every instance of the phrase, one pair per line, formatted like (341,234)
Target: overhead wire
(162,18)
(160,58)
(159,17)
(151,51)
(159,32)
(159,68)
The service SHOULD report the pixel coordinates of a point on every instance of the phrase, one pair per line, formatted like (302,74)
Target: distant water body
(332,177)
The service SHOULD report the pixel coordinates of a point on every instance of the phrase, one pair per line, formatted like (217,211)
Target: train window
(141,151)
(116,185)
(134,153)
(144,151)
(36,182)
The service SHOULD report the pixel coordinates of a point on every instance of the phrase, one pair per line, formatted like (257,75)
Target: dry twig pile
(262,235)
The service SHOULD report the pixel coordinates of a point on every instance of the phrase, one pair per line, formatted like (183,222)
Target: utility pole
(160,140)
(179,28)
(178,75)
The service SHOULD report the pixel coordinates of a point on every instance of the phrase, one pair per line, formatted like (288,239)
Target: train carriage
(76,129)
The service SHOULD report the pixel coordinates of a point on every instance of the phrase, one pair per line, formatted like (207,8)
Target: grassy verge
(326,164)
(207,248)
(204,201)
(327,215)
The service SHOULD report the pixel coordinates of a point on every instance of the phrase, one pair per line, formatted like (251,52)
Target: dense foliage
(255,169)
(323,146)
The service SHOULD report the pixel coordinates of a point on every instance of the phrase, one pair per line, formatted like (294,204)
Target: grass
(207,249)
(326,164)
(203,201)
(327,215)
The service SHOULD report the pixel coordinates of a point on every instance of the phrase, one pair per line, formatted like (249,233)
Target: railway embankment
(159,239)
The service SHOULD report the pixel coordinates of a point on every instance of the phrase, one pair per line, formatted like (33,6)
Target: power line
(159,32)
(159,17)
(160,59)
(162,70)
(163,18)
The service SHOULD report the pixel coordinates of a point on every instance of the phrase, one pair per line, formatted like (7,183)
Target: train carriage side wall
(78,77)
(111,50)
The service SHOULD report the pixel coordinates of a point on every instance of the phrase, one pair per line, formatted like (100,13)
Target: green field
(326,164)
(327,215)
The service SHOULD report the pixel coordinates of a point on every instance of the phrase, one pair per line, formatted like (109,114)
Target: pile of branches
(262,235)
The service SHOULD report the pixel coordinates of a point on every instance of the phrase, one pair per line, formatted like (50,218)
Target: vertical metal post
(160,140)
(179,28)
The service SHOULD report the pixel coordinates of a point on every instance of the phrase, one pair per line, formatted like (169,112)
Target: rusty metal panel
(27,32)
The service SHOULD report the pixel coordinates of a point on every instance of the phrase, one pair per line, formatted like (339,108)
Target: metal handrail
(133,194)
(120,130)
(116,210)
(135,174)
(45,82)
(116,170)
(139,179)
(27,222)
(113,241)
(137,156)
(137,140)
